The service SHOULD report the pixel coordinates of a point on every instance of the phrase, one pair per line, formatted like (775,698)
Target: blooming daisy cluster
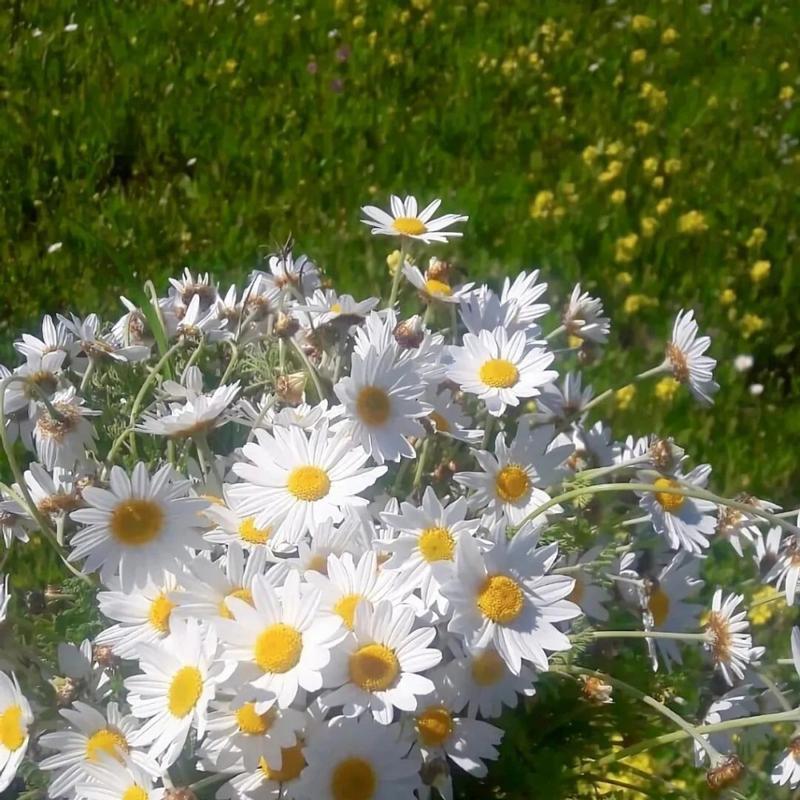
(329,540)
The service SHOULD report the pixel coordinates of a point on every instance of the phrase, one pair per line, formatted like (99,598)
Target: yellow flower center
(346,608)
(251,723)
(500,599)
(374,667)
(106,741)
(437,288)
(442,425)
(184,691)
(658,605)
(135,792)
(318,563)
(353,779)
(487,668)
(336,308)
(308,483)
(278,648)
(512,483)
(159,612)
(12,733)
(292,764)
(373,406)
(436,544)
(409,226)
(248,532)
(240,594)
(135,521)
(434,726)
(669,502)
(498,373)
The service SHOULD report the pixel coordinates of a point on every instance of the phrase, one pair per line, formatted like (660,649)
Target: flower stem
(421,462)
(642,376)
(207,464)
(688,637)
(312,373)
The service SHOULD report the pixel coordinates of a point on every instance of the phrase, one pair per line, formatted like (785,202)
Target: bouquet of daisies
(327,541)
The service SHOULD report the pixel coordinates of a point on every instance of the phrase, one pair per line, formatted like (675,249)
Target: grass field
(649,149)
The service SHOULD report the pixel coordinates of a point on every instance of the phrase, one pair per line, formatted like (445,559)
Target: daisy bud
(104,655)
(290,388)
(444,472)
(66,690)
(438,270)
(409,333)
(725,774)
(286,326)
(596,691)
(180,793)
(665,454)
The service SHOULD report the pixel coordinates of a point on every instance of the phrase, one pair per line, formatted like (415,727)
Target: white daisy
(280,642)
(561,404)
(346,584)
(328,539)
(500,369)
(433,286)
(686,360)
(510,485)
(193,322)
(738,526)
(141,616)
(785,571)
(139,528)
(382,407)
(90,345)
(42,372)
(301,479)
(62,439)
(16,718)
(787,770)
(326,307)
(504,599)
(15,519)
(54,492)
(729,642)
(89,736)
(406,220)
(588,594)
(179,678)
(583,317)
(183,290)
(685,522)
(55,337)
(231,527)
(447,416)
(111,779)
(736,703)
(85,675)
(767,551)
(299,273)
(132,327)
(359,760)
(520,297)
(378,666)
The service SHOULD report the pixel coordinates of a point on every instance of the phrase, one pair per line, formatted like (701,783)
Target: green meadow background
(648,149)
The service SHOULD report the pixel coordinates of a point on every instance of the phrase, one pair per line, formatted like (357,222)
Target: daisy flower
(435,288)
(143,616)
(480,681)
(239,737)
(179,678)
(78,664)
(193,323)
(303,479)
(54,492)
(110,779)
(500,369)
(406,220)
(378,667)
(561,404)
(785,572)
(43,371)
(520,298)
(328,539)
(15,520)
(280,642)
(299,273)
(424,551)
(16,718)
(349,759)
(89,736)
(739,527)
(767,551)
(734,704)
(685,522)
(89,344)
(346,584)
(583,317)
(787,771)
(132,327)
(442,733)
(510,484)
(586,593)
(277,780)
(686,360)
(233,528)
(381,400)
(504,599)
(729,642)
(139,528)
(55,337)
(325,307)
(183,290)
(62,440)
(447,417)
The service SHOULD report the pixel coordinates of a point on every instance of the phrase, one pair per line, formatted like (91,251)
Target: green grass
(161,135)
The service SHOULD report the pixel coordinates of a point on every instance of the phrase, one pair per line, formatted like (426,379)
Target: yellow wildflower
(556,95)
(624,396)
(786,94)
(611,172)
(624,278)
(666,389)
(261,18)
(727,297)
(625,248)
(663,206)
(672,165)
(358,22)
(670,36)
(372,37)
(658,182)
(393,261)
(404,16)
(763,605)
(656,98)
(759,271)
(614,149)
(589,155)
(649,226)
(618,196)
(692,222)
(394,58)
(509,67)
(650,165)
(713,101)
(784,66)
(752,323)
(636,302)
(638,56)
(230,65)
(641,22)
(642,128)
(543,204)
(757,238)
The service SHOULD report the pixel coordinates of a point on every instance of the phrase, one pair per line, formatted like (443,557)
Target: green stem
(688,637)
(775,690)
(312,373)
(421,462)
(398,275)
(87,376)
(557,332)
(631,787)
(642,376)
(207,464)
(231,362)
